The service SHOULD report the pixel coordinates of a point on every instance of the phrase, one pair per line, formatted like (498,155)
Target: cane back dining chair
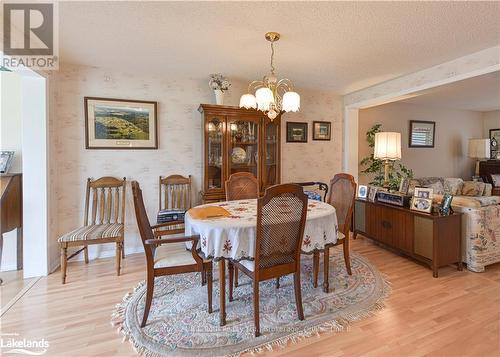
(281,218)
(241,186)
(167,256)
(342,196)
(103,221)
(174,196)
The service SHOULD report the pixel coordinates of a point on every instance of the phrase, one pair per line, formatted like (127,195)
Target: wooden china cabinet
(238,140)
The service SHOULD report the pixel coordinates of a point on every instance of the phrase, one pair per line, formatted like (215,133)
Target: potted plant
(219,84)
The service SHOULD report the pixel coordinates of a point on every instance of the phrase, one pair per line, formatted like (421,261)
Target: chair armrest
(193,239)
(166,224)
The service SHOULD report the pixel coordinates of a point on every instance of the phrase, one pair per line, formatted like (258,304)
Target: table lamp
(479,149)
(387,148)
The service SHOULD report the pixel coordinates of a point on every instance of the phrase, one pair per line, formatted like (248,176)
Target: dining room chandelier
(271,95)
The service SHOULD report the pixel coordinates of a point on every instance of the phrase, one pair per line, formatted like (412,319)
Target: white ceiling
(480,93)
(338,46)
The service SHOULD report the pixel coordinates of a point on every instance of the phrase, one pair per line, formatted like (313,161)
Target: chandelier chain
(272,58)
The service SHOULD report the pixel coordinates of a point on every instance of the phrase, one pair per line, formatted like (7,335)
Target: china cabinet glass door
(271,155)
(243,140)
(214,151)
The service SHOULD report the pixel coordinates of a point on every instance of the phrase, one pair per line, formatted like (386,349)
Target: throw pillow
(437,187)
(453,186)
(487,189)
(472,188)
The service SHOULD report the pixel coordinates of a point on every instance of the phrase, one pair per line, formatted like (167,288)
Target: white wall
(453,130)
(179,141)
(491,120)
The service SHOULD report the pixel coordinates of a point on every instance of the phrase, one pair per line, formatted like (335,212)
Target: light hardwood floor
(457,314)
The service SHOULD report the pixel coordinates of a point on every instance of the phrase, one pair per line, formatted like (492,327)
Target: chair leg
(256,308)
(315,268)
(209,288)
(86,254)
(298,295)
(203,277)
(231,278)
(123,250)
(64,262)
(235,277)
(326,272)
(278,282)
(149,298)
(347,258)
(118,257)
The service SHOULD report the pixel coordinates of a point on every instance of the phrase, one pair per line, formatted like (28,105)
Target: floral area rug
(179,324)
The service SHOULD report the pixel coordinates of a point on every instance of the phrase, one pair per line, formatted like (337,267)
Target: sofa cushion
(469,201)
(472,188)
(488,187)
(453,186)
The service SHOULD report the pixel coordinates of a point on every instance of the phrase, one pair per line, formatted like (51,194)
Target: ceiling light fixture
(271,95)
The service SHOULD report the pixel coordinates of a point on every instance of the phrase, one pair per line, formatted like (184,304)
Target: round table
(233,237)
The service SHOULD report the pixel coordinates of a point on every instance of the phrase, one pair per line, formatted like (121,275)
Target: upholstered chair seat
(91,232)
(172,255)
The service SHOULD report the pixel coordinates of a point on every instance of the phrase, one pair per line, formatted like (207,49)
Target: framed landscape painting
(120,124)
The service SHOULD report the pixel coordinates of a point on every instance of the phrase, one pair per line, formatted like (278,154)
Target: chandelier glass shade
(271,95)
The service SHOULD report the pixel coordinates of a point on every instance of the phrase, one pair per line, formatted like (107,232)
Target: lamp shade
(248,101)
(387,146)
(479,148)
(264,98)
(291,102)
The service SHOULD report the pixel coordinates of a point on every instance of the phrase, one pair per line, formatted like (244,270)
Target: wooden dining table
(232,236)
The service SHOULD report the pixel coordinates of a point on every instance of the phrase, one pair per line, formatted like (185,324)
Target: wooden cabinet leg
(222,292)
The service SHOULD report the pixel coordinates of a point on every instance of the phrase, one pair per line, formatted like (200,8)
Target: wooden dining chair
(174,197)
(342,196)
(166,256)
(242,186)
(103,221)
(281,218)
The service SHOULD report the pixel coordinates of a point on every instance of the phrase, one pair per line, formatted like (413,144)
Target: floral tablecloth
(234,237)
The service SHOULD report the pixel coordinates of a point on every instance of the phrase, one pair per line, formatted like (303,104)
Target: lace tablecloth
(234,237)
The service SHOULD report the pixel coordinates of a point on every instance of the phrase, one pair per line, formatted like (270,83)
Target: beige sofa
(480,220)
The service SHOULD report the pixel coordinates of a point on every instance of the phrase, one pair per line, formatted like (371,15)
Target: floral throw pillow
(487,189)
(437,187)
(453,186)
(496,180)
(472,188)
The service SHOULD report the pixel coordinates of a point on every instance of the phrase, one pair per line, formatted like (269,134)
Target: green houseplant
(374,168)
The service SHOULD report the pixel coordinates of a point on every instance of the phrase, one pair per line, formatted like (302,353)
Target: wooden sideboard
(11,208)
(429,238)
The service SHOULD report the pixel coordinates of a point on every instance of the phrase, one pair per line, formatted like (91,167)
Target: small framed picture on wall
(296,132)
(494,142)
(422,134)
(322,130)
